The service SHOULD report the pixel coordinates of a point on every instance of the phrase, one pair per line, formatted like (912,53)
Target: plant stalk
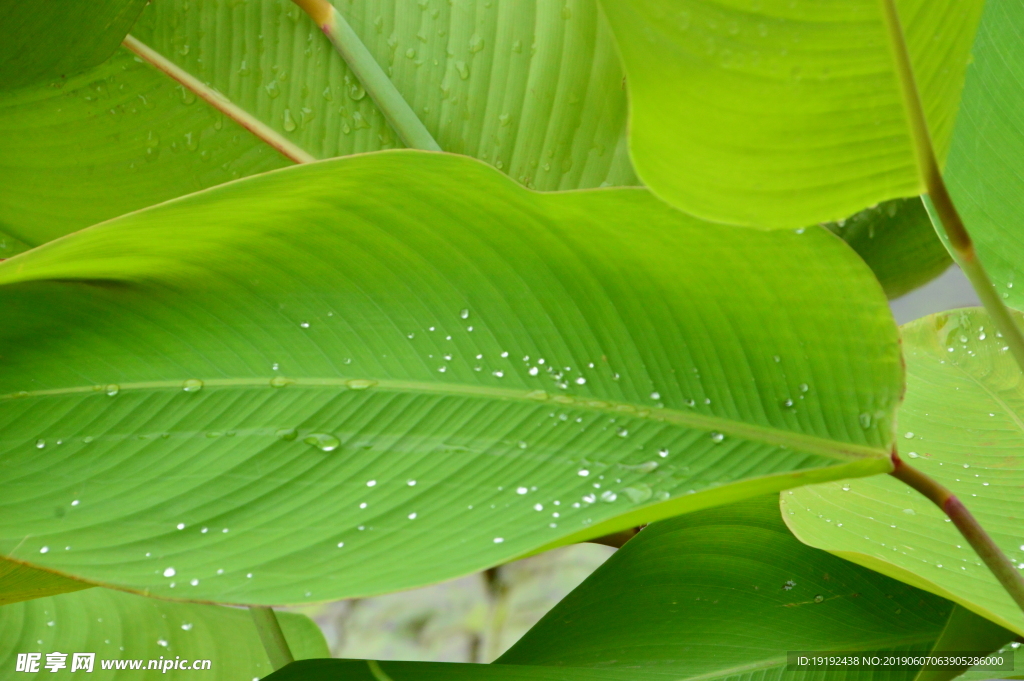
(218,101)
(372,77)
(271,635)
(956,233)
(973,532)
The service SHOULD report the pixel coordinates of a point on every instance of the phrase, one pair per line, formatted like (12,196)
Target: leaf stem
(271,635)
(218,101)
(960,242)
(372,77)
(969,527)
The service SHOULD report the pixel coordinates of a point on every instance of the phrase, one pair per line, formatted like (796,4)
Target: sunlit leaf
(783,113)
(378,372)
(961,423)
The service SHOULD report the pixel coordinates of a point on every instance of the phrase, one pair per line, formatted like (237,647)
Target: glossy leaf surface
(780,113)
(985,172)
(120,626)
(533,88)
(444,372)
(961,423)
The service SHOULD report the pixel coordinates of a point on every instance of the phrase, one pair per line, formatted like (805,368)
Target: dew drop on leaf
(323,441)
(192,385)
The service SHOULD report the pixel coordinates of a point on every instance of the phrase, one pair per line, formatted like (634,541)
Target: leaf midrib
(813,444)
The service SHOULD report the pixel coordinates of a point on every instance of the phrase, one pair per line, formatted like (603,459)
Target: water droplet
(412,516)
(287,434)
(909,511)
(498,540)
(411,483)
(804,387)
(908,435)
(534,371)
(609,496)
(865,420)
(360,383)
(463,70)
(180,526)
(663,452)
(639,492)
(192,385)
(717,437)
(45,549)
(323,441)
(194,582)
(521,490)
(356,91)
(371,483)
(622,432)
(40,444)
(583,472)
(499,374)
(787,403)
(655,395)
(304,325)
(113,389)
(170,572)
(464,313)
(280,381)
(522,444)
(580,380)
(913,455)
(819,598)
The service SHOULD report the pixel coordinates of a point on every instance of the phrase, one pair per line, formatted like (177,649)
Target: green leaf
(544,367)
(726,592)
(723,593)
(784,113)
(120,626)
(897,241)
(22,583)
(986,158)
(961,424)
(964,632)
(51,40)
(533,88)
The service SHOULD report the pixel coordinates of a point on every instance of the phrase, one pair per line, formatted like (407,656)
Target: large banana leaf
(533,88)
(985,172)
(718,594)
(782,113)
(121,627)
(961,423)
(377,372)
(51,40)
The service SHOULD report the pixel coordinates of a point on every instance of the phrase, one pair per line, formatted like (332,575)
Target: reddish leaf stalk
(973,532)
